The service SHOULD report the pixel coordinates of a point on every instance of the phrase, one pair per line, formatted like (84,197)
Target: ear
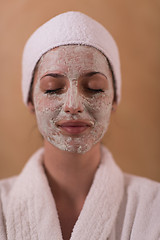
(114,107)
(31,107)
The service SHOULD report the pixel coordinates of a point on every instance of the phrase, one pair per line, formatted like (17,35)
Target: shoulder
(141,187)
(9,184)
(6,186)
(139,214)
(142,194)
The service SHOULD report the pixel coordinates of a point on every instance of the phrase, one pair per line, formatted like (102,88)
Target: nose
(73,101)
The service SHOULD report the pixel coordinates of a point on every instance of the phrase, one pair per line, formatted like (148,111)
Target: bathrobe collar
(32,211)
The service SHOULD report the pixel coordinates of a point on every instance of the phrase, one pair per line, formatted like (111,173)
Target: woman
(72,188)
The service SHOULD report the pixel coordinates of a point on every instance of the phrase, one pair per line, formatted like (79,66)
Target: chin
(71,145)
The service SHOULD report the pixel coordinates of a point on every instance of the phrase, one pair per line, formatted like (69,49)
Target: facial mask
(73,102)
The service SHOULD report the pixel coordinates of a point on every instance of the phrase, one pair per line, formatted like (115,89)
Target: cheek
(100,106)
(45,105)
(47,108)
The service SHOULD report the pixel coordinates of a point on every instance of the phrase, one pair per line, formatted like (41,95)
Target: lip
(74,126)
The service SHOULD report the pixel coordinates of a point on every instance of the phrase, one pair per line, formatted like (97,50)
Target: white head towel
(64,29)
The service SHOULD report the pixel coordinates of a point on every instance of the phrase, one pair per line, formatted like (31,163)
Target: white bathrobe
(118,206)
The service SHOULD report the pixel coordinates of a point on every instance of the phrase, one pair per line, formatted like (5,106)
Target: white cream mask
(73,83)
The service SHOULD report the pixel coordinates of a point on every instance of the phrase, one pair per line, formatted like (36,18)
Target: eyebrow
(90,74)
(56,75)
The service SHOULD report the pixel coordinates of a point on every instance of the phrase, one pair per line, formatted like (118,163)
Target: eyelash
(59,89)
(95,90)
(53,91)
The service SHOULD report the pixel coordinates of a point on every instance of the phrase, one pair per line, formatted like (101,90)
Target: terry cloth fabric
(118,206)
(64,29)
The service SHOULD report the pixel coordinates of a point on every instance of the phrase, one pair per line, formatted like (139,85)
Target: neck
(70,175)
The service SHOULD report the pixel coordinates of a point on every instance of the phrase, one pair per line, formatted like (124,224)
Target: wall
(134,133)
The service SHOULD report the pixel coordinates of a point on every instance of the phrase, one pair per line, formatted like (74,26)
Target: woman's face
(73,95)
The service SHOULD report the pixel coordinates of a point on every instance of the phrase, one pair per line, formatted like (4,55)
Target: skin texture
(73,83)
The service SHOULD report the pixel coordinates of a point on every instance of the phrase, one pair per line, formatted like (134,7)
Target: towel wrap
(67,29)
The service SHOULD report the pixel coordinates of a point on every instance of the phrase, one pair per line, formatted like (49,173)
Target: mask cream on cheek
(50,108)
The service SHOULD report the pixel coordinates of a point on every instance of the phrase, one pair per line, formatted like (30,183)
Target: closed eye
(94,90)
(52,91)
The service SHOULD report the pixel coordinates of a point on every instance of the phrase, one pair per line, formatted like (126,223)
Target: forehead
(68,57)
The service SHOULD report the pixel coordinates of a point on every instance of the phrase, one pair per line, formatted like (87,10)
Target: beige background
(134,133)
